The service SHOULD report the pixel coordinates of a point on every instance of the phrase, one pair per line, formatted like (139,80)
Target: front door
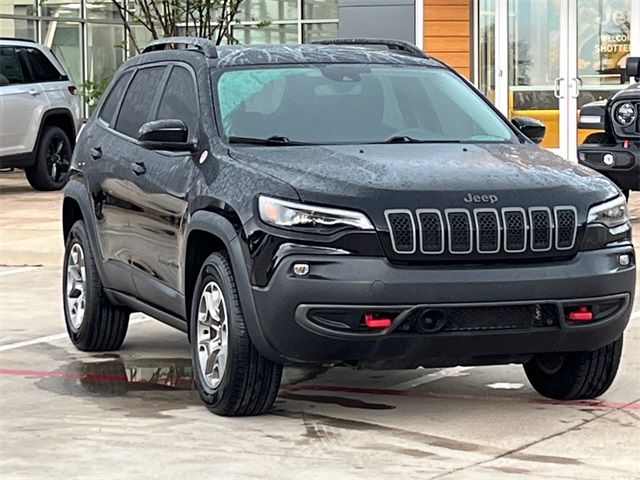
(160,185)
(546,58)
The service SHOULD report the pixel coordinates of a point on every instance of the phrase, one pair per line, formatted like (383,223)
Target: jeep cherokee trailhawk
(348,203)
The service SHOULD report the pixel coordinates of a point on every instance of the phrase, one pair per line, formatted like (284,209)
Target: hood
(374,178)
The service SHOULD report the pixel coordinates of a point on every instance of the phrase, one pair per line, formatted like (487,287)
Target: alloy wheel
(57,159)
(212,335)
(76,286)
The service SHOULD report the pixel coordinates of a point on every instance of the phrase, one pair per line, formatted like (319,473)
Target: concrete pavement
(134,414)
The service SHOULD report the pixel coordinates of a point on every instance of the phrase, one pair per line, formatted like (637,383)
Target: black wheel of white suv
(53,159)
(231,376)
(577,375)
(93,322)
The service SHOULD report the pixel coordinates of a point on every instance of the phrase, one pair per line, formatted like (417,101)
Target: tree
(165,18)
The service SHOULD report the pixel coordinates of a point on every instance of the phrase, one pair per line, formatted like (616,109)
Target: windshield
(351,104)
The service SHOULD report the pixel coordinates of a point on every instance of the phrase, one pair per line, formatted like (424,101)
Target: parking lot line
(51,338)
(13,271)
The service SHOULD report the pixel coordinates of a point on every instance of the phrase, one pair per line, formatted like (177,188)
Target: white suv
(39,113)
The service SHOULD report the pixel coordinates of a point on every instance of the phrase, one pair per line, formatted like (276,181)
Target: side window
(138,101)
(179,100)
(110,104)
(10,69)
(42,68)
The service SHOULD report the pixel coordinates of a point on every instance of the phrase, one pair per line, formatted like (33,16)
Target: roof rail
(397,46)
(18,39)
(189,43)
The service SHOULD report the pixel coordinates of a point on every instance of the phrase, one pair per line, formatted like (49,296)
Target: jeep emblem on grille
(480,198)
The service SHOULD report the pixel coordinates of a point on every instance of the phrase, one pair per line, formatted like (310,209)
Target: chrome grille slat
(459,231)
(541,228)
(431,231)
(403,230)
(566,223)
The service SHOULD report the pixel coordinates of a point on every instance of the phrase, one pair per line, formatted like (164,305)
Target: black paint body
(152,213)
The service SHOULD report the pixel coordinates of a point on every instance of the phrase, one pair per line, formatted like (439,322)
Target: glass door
(547,58)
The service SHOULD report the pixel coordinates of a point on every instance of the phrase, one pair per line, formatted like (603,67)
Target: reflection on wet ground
(117,376)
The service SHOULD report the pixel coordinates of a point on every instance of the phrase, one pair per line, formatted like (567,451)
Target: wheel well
(200,245)
(71,213)
(63,121)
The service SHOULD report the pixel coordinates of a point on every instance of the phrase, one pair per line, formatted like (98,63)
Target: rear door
(161,187)
(23,104)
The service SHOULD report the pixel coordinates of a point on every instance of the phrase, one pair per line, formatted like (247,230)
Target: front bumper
(625,172)
(344,282)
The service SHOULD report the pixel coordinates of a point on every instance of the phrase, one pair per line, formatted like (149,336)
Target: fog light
(301,269)
(608,159)
(624,260)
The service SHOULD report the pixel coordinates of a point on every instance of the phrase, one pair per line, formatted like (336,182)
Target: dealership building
(540,58)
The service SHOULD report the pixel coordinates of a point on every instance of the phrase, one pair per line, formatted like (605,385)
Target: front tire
(53,159)
(231,376)
(577,375)
(94,324)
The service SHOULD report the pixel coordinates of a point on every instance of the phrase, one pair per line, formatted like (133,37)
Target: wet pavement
(134,413)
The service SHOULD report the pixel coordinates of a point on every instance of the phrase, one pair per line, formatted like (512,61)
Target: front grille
(483,230)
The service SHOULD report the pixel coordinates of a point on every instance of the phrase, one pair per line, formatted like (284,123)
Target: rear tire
(53,159)
(231,376)
(575,376)
(94,324)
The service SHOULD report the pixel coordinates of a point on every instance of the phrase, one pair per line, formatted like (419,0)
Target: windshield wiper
(275,140)
(407,139)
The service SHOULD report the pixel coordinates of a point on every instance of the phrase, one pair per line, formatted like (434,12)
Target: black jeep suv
(337,204)
(615,152)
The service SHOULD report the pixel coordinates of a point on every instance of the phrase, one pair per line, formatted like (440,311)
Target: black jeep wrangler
(354,203)
(615,152)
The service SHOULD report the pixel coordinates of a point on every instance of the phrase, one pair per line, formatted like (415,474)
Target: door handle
(578,84)
(556,87)
(95,152)
(138,168)
(34,92)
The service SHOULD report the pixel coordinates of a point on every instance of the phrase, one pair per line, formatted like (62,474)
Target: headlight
(611,214)
(625,114)
(281,213)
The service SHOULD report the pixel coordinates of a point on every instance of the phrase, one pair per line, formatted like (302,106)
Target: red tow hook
(582,314)
(379,322)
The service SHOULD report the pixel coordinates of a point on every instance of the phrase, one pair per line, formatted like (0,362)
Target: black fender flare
(76,191)
(222,228)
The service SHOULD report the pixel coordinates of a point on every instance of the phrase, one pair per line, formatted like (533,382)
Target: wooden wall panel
(447,32)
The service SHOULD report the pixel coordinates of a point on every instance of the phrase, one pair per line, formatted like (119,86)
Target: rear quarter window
(41,67)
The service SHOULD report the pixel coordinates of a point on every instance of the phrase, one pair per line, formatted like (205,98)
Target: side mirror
(170,134)
(633,67)
(533,129)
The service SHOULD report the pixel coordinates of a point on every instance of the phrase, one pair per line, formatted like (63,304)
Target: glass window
(64,40)
(179,100)
(10,69)
(105,52)
(268,34)
(102,10)
(43,70)
(60,8)
(259,10)
(17,28)
(136,107)
(354,103)
(109,106)
(319,31)
(319,9)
